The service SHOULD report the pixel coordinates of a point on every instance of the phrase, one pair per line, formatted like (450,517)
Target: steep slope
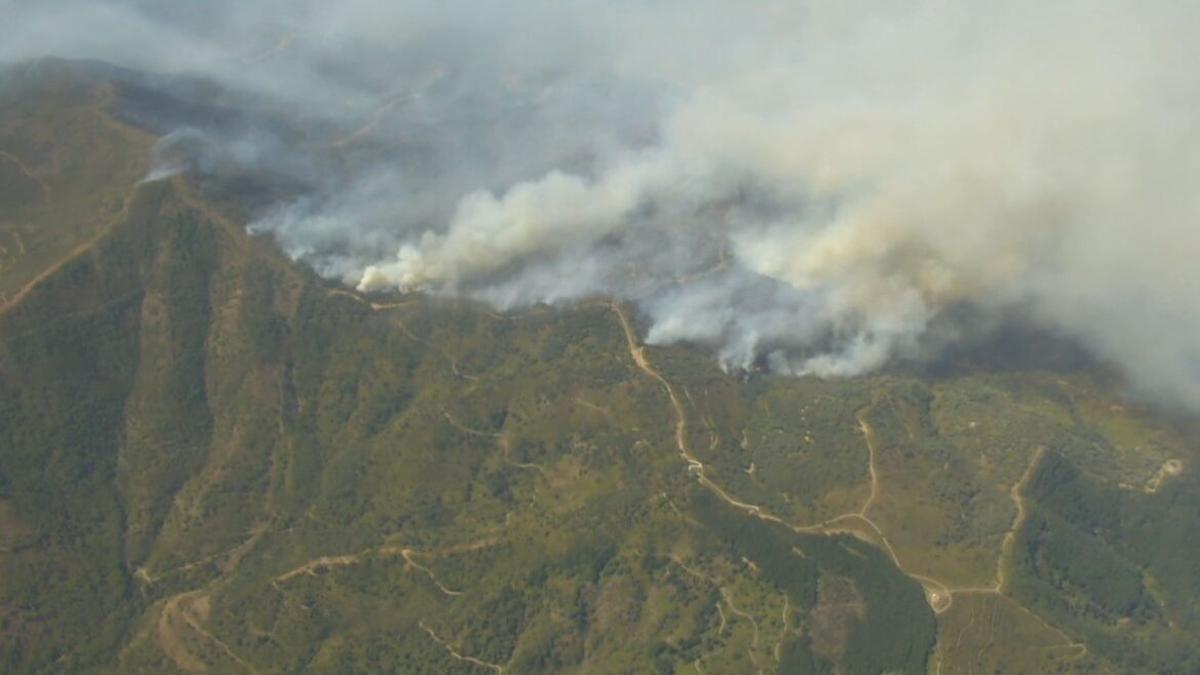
(210,459)
(204,445)
(261,434)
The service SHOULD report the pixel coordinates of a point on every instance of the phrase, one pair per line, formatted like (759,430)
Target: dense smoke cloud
(809,183)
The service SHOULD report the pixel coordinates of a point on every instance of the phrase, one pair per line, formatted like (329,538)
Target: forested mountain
(212,459)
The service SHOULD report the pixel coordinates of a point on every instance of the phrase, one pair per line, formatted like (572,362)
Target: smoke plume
(807,184)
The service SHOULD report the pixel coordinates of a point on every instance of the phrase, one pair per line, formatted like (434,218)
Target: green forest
(211,459)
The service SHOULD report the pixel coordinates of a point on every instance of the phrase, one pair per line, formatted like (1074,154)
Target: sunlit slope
(968,482)
(230,465)
(233,466)
(65,165)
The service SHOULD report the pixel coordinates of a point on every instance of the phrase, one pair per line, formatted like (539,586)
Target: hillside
(211,459)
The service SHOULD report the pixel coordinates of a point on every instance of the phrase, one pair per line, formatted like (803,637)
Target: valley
(235,465)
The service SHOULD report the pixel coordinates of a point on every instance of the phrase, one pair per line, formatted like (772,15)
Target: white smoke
(808,182)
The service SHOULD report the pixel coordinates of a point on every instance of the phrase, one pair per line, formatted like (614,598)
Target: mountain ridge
(233,465)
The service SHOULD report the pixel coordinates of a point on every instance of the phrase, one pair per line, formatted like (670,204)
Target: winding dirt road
(939,595)
(458,655)
(75,253)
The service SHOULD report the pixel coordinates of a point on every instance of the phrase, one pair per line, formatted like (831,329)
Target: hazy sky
(816,181)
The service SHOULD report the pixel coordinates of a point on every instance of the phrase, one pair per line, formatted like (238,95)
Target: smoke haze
(811,184)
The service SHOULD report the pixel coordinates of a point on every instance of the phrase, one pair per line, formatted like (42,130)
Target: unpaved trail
(178,610)
(727,598)
(1000,588)
(502,440)
(233,556)
(939,595)
(1080,650)
(101,232)
(637,352)
(21,166)
(375,306)
(456,654)
(466,429)
(168,640)
(505,444)
(783,634)
(1017,492)
(751,651)
(75,253)
(408,553)
(324,562)
(179,606)
(1169,469)
(599,409)
(312,567)
(869,435)
(183,609)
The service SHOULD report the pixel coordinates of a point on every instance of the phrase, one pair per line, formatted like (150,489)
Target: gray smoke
(810,183)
